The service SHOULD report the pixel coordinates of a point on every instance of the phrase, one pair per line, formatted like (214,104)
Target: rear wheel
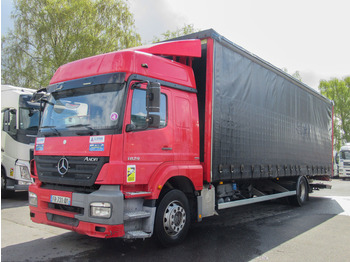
(302,194)
(172,218)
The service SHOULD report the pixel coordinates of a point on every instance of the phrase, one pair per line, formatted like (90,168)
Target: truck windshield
(94,107)
(345,155)
(28,114)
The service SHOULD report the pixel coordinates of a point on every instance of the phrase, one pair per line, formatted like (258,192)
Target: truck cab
(20,121)
(117,131)
(344,161)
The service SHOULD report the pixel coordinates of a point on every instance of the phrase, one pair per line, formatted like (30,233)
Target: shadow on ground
(17,199)
(238,234)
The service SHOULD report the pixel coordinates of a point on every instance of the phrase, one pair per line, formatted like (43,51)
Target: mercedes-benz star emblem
(63,166)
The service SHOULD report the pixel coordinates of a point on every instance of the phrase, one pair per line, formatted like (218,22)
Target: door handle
(167,148)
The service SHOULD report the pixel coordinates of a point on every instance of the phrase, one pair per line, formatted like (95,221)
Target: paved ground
(272,231)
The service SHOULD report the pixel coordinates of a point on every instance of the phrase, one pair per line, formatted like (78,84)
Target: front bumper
(22,186)
(344,172)
(76,216)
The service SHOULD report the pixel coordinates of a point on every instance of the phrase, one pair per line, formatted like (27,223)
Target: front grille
(63,220)
(80,172)
(76,189)
(73,209)
(346,163)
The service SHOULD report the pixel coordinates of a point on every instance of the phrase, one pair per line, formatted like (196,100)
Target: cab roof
(148,61)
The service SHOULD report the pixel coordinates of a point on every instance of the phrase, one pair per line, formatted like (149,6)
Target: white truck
(344,161)
(19,126)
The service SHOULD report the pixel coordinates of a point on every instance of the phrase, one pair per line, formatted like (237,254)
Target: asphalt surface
(270,231)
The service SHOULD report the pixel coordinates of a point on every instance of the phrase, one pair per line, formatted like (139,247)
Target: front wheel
(172,218)
(4,192)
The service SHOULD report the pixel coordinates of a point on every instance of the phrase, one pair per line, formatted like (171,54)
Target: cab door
(145,148)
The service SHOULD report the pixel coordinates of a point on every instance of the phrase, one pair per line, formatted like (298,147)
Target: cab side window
(139,111)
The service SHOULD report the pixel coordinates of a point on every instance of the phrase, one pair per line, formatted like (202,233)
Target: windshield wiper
(91,130)
(55,131)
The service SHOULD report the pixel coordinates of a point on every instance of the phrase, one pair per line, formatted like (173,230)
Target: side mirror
(38,95)
(9,121)
(6,120)
(153,121)
(130,127)
(153,97)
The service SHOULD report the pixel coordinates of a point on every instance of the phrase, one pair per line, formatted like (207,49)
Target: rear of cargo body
(257,121)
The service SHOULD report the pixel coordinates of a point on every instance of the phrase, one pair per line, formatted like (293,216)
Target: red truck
(147,140)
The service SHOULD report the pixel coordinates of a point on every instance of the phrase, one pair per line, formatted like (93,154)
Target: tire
(172,218)
(302,194)
(4,192)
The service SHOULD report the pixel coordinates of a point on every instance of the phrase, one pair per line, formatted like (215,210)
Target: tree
(296,74)
(48,34)
(339,91)
(185,30)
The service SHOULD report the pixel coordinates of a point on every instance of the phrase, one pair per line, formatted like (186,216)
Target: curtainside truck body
(145,140)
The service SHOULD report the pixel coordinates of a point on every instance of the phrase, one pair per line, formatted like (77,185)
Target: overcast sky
(311,36)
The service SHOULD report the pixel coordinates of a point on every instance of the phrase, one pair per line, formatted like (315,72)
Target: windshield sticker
(114,116)
(40,140)
(131,174)
(97,139)
(39,147)
(97,147)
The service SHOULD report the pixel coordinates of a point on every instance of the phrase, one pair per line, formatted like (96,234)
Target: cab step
(136,234)
(136,215)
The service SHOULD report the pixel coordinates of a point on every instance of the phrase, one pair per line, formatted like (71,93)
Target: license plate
(60,200)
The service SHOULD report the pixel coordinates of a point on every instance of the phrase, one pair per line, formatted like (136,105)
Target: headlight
(33,199)
(24,171)
(100,209)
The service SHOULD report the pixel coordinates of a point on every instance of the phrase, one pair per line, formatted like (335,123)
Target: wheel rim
(174,218)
